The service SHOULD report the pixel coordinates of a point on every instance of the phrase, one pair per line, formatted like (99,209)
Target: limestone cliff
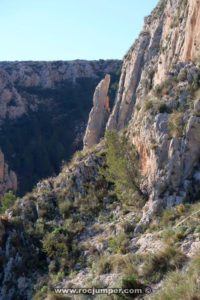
(44,108)
(75,230)
(170,35)
(158,94)
(99,114)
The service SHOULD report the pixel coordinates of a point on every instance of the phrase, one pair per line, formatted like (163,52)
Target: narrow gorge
(44,108)
(124,212)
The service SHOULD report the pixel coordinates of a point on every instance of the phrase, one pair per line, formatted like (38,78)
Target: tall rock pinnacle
(99,114)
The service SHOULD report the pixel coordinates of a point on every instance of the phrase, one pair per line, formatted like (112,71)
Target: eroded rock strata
(159,84)
(76,230)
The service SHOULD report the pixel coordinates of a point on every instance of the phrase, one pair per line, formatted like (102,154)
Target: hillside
(124,212)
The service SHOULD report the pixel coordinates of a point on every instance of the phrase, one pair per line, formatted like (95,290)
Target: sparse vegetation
(132,282)
(164,88)
(103,266)
(64,207)
(175,22)
(176,124)
(88,227)
(122,168)
(118,244)
(182,76)
(156,265)
(181,285)
(156,106)
(44,137)
(148,105)
(7,201)
(55,244)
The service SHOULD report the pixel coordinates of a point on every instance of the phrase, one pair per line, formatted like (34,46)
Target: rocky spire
(99,114)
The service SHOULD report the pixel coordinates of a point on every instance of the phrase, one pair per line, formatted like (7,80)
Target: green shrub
(132,282)
(41,294)
(156,106)
(113,245)
(175,22)
(40,228)
(194,267)
(118,244)
(178,286)
(181,209)
(194,86)
(197,229)
(7,201)
(88,204)
(165,87)
(126,264)
(129,281)
(55,244)
(182,76)
(175,124)
(156,265)
(179,233)
(181,285)
(168,217)
(122,168)
(138,107)
(158,90)
(64,207)
(103,265)
(148,105)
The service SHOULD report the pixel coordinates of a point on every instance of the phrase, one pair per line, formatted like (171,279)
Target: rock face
(99,114)
(44,108)
(191,46)
(22,257)
(170,35)
(158,100)
(11,103)
(73,230)
(8,179)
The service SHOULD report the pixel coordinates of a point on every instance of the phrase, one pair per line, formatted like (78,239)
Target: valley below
(100,169)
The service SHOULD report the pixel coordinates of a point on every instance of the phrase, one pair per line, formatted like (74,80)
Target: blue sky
(70,29)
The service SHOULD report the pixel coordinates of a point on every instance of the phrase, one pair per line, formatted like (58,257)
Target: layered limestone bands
(138,67)
(25,85)
(165,57)
(99,114)
(192,36)
(170,35)
(12,104)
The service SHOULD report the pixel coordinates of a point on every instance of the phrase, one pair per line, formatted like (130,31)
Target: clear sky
(70,29)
